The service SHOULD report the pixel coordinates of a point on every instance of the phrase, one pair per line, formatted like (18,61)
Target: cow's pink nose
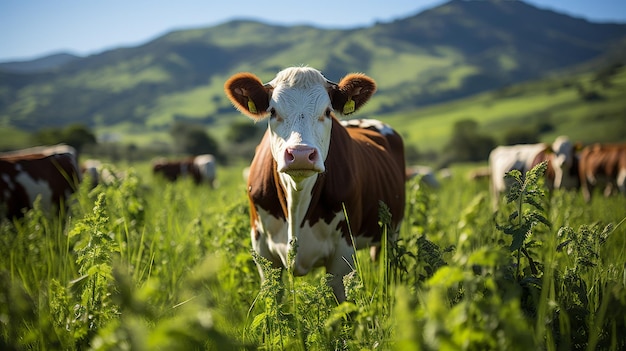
(300,157)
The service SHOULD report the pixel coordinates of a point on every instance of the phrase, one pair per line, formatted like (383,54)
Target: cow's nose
(302,157)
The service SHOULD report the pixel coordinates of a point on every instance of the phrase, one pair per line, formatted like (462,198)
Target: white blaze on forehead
(298,77)
(299,92)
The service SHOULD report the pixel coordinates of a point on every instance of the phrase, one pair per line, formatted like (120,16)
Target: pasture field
(141,264)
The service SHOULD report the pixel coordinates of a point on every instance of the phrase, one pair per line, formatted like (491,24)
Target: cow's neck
(298,195)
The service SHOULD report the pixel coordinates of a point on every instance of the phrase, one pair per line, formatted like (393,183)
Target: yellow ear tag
(251,106)
(348,107)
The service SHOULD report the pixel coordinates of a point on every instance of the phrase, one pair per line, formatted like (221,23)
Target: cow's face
(301,104)
(300,123)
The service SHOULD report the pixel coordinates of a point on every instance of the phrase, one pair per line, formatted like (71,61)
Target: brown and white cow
(603,164)
(309,167)
(200,168)
(50,172)
(560,174)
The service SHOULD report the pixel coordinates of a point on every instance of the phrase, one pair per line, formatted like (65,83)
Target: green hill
(452,51)
(588,107)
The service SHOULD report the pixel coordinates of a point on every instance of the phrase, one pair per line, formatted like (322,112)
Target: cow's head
(301,104)
(562,160)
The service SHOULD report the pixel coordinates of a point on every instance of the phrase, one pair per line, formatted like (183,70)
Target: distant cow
(200,168)
(603,164)
(309,167)
(561,158)
(50,172)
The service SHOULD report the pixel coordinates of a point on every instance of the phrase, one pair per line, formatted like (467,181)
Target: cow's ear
(352,92)
(248,95)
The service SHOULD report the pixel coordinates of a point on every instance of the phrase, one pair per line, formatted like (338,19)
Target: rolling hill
(452,51)
(42,64)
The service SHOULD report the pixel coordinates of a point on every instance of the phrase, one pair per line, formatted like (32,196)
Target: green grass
(146,264)
(122,76)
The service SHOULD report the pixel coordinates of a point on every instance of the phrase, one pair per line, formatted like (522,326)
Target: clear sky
(33,28)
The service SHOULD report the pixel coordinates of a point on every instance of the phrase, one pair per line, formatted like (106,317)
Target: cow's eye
(328,112)
(275,116)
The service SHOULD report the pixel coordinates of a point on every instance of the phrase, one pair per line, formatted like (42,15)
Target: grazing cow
(200,168)
(50,172)
(309,168)
(561,158)
(603,164)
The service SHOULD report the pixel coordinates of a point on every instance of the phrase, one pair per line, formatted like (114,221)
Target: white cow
(560,157)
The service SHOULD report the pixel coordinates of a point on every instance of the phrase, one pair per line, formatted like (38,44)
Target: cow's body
(603,164)
(200,168)
(309,168)
(49,172)
(560,156)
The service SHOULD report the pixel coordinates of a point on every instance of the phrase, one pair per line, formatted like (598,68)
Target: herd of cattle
(53,173)
(316,183)
(570,166)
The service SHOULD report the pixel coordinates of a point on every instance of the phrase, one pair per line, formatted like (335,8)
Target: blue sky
(33,28)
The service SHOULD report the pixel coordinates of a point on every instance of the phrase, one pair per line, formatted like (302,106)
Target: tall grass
(146,265)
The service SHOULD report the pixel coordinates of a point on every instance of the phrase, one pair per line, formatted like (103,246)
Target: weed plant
(142,264)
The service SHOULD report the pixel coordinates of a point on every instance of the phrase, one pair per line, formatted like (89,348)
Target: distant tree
(467,144)
(47,136)
(193,139)
(516,136)
(244,130)
(76,135)
(411,154)
(545,127)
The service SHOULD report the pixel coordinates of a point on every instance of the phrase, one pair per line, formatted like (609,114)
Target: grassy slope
(552,100)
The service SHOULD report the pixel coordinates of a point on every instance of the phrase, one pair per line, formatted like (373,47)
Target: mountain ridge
(453,50)
(39,64)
